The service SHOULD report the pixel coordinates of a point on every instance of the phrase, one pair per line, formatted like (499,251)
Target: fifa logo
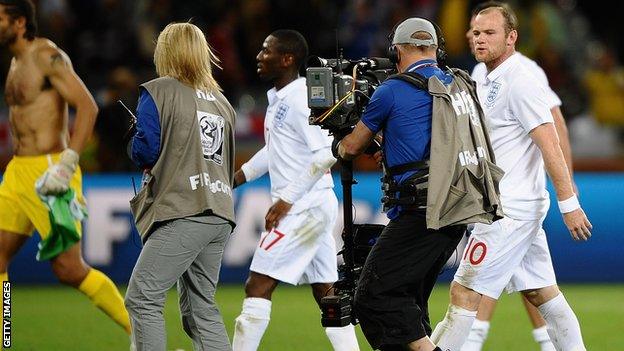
(211,136)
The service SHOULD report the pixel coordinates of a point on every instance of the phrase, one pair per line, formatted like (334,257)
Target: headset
(441,54)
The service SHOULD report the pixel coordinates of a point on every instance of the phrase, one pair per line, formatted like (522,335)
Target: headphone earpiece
(393,54)
(441,54)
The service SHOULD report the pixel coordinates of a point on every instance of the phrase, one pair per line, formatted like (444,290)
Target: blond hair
(182,52)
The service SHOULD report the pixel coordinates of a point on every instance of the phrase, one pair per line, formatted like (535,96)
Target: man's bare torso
(37,112)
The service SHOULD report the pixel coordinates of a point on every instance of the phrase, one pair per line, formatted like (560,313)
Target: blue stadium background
(111,244)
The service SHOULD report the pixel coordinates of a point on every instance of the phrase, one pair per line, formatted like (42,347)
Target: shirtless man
(40,85)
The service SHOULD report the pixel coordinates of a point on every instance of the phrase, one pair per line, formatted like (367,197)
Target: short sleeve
(552,97)
(528,102)
(378,108)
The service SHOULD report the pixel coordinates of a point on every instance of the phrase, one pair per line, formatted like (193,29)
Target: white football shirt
(290,141)
(515,102)
(480,71)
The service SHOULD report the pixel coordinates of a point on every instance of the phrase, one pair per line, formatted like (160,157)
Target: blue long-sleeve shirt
(146,141)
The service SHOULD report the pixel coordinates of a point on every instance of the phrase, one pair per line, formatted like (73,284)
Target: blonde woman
(184,212)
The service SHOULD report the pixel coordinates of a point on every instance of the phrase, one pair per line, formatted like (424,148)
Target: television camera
(339,89)
(338,92)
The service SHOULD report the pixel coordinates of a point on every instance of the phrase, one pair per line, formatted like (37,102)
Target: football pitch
(59,318)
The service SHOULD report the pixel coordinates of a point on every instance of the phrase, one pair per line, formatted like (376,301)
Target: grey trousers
(187,251)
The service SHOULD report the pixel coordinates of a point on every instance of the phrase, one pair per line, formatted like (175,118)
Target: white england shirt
(480,71)
(291,140)
(515,102)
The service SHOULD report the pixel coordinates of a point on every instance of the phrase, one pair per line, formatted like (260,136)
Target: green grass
(59,318)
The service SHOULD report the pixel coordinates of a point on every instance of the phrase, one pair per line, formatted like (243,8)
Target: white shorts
(302,249)
(508,253)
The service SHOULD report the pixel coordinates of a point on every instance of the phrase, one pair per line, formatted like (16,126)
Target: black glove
(334,147)
(373,147)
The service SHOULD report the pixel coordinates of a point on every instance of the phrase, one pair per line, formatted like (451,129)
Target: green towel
(64,210)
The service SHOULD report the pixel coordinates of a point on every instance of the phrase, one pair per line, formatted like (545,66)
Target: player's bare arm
(57,67)
(564,141)
(545,137)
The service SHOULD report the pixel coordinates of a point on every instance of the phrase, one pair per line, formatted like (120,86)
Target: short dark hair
(511,21)
(291,42)
(484,5)
(22,8)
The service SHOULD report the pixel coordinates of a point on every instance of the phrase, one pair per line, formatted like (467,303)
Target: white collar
(273,93)
(506,65)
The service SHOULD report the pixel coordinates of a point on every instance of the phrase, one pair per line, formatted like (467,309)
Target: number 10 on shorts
(271,238)
(475,251)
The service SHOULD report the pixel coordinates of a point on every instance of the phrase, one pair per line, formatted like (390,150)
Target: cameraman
(402,268)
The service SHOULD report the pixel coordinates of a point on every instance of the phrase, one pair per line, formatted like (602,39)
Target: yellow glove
(56,178)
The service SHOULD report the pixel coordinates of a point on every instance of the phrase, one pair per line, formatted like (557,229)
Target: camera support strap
(463,180)
(410,194)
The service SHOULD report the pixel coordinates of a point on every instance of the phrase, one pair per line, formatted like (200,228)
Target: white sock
(451,333)
(563,327)
(343,339)
(478,334)
(251,324)
(540,335)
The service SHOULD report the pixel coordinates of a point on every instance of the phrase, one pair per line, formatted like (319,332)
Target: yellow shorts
(21,210)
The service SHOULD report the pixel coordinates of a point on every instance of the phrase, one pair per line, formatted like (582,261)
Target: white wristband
(569,205)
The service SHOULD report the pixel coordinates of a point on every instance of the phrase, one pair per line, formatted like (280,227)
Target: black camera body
(339,89)
(336,310)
